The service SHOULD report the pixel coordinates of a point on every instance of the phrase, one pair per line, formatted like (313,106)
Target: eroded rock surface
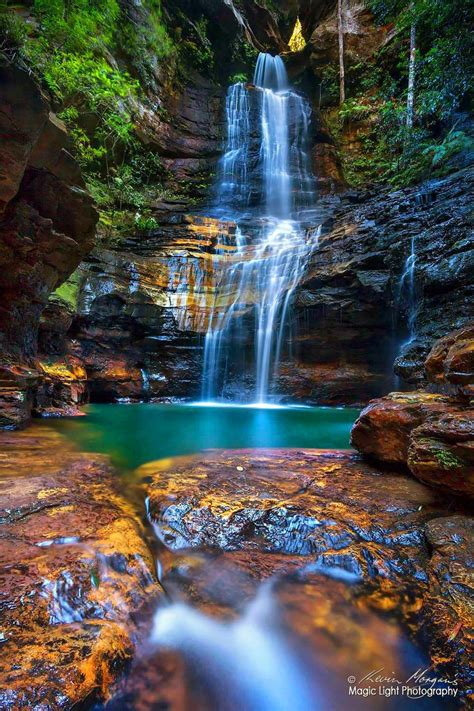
(384,536)
(432,434)
(382,430)
(47,224)
(74,569)
(441,452)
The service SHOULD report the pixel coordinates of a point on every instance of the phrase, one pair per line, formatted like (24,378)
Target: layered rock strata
(47,224)
(143,307)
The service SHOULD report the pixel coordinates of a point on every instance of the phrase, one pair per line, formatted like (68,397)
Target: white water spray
(407,286)
(265,184)
(245,664)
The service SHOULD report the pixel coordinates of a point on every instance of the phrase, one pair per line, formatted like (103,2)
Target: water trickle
(246,663)
(265,185)
(407,290)
(145,380)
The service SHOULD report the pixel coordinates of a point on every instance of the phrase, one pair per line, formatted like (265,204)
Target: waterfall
(265,185)
(407,287)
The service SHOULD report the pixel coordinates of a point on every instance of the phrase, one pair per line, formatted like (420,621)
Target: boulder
(383,429)
(441,452)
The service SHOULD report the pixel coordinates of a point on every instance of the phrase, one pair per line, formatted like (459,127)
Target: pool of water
(134,434)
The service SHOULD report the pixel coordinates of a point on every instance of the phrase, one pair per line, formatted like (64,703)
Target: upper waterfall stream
(266,187)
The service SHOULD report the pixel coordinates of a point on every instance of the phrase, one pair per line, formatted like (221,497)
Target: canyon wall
(143,308)
(129,323)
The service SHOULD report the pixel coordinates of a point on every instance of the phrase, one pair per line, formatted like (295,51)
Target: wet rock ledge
(395,543)
(75,574)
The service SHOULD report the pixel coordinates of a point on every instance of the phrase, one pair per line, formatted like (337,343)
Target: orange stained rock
(75,572)
(64,369)
(332,510)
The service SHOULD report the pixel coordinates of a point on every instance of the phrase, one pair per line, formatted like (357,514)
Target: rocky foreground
(359,560)
(75,572)
(330,513)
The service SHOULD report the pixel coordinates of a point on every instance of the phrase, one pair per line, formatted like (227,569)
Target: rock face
(355,306)
(362,38)
(441,452)
(143,306)
(305,516)
(47,224)
(188,131)
(74,569)
(136,329)
(47,218)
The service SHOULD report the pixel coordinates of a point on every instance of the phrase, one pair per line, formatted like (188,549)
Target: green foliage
(89,85)
(77,25)
(148,45)
(375,114)
(447,459)
(454,142)
(243,57)
(69,291)
(238,78)
(330,84)
(72,51)
(444,51)
(195,48)
(144,223)
(13,35)
(70,56)
(129,183)
(354,109)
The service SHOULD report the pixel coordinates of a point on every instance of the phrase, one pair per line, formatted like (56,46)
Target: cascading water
(245,664)
(265,186)
(407,288)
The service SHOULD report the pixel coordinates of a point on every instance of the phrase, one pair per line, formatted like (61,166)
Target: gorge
(236,355)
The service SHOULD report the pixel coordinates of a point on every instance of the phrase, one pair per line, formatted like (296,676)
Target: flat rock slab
(294,501)
(74,570)
(331,515)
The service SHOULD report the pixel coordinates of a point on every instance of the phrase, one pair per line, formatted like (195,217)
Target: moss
(447,459)
(69,291)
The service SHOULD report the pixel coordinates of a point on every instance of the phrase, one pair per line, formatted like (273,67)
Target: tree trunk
(411,76)
(340,32)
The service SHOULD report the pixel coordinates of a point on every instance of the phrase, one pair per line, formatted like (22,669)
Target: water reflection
(135,434)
